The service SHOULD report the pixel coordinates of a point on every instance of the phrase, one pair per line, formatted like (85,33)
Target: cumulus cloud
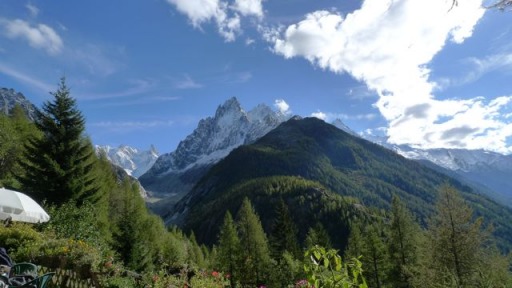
(320,115)
(40,36)
(226,15)
(249,7)
(282,106)
(388,45)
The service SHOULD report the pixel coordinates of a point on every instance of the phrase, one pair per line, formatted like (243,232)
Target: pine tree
(403,243)
(255,262)
(228,251)
(355,242)
(456,240)
(59,165)
(317,235)
(15,130)
(284,233)
(375,257)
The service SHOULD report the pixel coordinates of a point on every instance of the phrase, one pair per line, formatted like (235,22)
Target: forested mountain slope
(306,159)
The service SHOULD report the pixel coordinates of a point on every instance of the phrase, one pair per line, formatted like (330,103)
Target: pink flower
(215,274)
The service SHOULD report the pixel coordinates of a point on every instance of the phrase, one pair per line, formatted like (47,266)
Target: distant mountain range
(174,174)
(311,164)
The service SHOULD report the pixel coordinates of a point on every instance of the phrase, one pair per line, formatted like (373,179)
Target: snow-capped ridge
(133,161)
(215,137)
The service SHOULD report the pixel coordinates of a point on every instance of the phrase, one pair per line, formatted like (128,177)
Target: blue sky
(145,72)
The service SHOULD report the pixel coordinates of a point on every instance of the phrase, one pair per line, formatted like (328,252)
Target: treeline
(455,250)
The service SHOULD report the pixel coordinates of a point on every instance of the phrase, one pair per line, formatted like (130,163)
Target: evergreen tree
(456,240)
(403,243)
(375,257)
(228,251)
(284,233)
(255,260)
(15,130)
(317,235)
(355,242)
(59,165)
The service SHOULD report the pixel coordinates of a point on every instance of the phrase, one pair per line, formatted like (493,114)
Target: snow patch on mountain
(133,161)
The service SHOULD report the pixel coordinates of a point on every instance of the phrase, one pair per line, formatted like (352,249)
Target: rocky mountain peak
(10,98)
(216,136)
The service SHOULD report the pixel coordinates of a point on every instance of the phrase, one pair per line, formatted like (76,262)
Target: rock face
(10,98)
(175,173)
(133,161)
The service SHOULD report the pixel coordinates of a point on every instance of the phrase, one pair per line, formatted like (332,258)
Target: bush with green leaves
(20,240)
(324,268)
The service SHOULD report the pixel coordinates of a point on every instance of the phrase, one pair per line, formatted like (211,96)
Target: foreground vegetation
(101,227)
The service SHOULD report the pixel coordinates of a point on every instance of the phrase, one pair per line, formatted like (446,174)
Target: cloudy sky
(145,72)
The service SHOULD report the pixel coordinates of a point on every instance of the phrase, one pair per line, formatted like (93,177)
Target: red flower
(215,274)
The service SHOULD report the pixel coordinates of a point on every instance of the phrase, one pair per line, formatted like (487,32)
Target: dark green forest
(305,206)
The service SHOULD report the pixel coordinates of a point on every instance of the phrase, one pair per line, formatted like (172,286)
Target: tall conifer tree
(375,256)
(403,244)
(456,240)
(59,165)
(317,235)
(228,252)
(284,233)
(256,257)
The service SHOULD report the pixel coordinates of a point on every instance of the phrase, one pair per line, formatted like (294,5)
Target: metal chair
(39,282)
(23,269)
(22,273)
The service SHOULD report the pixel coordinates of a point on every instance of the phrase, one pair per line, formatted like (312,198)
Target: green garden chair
(39,282)
(24,268)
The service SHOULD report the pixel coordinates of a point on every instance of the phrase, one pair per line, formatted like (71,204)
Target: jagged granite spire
(215,137)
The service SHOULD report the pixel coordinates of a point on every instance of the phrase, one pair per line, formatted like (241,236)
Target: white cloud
(127,126)
(282,106)
(320,115)
(33,82)
(330,117)
(226,16)
(98,60)
(133,87)
(249,7)
(249,41)
(202,11)
(40,36)
(32,9)
(388,44)
(186,83)
(486,65)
